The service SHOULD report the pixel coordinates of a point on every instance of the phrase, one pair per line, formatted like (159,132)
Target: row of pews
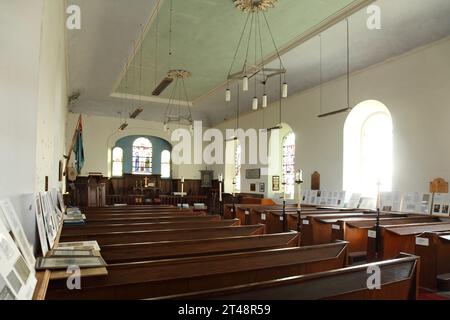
(369,239)
(162,252)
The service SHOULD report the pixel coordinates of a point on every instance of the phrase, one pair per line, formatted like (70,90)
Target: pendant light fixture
(174,113)
(255,70)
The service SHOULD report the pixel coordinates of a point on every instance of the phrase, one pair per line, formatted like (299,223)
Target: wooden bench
(172,210)
(128,227)
(143,215)
(102,221)
(434,251)
(355,230)
(272,217)
(167,235)
(395,239)
(174,276)
(187,248)
(317,229)
(399,281)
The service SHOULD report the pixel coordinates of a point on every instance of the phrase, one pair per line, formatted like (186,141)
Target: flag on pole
(78,148)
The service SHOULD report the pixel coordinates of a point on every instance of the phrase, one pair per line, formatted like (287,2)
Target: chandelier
(173,114)
(255,70)
(176,113)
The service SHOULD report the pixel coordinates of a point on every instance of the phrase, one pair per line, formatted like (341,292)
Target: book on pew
(74,222)
(73,210)
(72,253)
(55,263)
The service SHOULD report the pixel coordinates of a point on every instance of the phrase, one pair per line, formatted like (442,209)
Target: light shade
(264,101)
(255,104)
(228,95)
(245,83)
(285,90)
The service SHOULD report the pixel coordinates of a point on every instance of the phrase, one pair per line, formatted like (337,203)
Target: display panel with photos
(441,204)
(416,202)
(49,220)
(41,227)
(391,201)
(15,227)
(18,279)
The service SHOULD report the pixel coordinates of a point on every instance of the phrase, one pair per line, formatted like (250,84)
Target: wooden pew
(399,281)
(103,221)
(292,217)
(167,235)
(396,239)
(174,276)
(143,212)
(131,207)
(354,230)
(128,227)
(136,210)
(276,222)
(143,215)
(241,208)
(434,251)
(272,216)
(187,248)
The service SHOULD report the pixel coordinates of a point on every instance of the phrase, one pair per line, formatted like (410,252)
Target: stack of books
(74,216)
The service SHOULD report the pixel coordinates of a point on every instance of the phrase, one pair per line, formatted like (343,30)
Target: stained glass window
(117,162)
(142,156)
(237,166)
(165,164)
(289,165)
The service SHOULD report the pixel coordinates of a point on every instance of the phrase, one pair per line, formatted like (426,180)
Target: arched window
(117,162)
(165,164)
(142,156)
(288,163)
(368,149)
(237,166)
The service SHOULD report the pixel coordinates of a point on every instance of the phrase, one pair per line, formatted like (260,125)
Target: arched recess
(158,146)
(368,149)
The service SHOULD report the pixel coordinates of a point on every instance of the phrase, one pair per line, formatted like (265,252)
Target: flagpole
(72,145)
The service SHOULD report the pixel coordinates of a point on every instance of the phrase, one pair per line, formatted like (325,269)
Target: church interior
(224,150)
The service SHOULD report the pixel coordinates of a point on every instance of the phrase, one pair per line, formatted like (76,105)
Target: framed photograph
(253,187)
(72,253)
(253,174)
(276,183)
(65,262)
(262,187)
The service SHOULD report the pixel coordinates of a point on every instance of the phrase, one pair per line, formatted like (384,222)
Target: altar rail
(174,200)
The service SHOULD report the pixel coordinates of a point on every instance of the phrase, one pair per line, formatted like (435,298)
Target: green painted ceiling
(205,35)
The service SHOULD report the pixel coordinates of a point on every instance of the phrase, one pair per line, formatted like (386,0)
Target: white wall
(416,89)
(20,26)
(52,111)
(100,135)
(32,87)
